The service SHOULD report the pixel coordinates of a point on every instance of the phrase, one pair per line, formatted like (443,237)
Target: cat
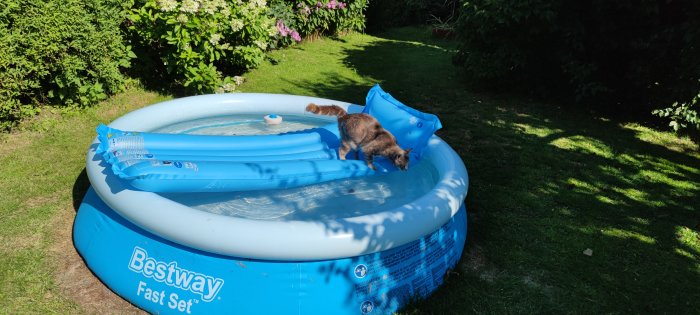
(362,131)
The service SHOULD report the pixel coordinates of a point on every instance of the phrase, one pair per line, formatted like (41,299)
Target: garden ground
(546,184)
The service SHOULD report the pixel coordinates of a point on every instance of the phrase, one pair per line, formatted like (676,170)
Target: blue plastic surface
(299,240)
(163,277)
(371,262)
(412,128)
(160,162)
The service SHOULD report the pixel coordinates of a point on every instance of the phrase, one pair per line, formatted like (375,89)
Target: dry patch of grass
(73,279)
(40,270)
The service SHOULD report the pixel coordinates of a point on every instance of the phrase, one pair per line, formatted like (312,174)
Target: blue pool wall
(163,277)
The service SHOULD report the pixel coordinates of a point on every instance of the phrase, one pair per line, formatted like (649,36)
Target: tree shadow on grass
(545,186)
(80,188)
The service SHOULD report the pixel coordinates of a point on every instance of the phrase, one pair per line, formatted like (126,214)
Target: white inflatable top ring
(274,240)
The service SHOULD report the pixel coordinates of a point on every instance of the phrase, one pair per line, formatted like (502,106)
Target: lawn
(546,184)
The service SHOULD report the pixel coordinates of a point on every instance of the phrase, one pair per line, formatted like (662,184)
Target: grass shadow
(545,186)
(80,188)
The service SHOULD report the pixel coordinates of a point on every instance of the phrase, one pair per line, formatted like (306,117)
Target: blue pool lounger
(160,162)
(203,163)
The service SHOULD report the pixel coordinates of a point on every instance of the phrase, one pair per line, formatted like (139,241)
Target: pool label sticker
(169,273)
(367,307)
(360,271)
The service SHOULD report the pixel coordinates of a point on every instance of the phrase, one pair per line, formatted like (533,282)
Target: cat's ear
(407,151)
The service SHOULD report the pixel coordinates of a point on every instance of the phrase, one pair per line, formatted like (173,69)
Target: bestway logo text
(169,273)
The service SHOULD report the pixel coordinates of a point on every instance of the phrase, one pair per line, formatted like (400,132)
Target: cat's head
(400,159)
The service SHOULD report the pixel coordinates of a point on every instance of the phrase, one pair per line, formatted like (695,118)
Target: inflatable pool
(168,253)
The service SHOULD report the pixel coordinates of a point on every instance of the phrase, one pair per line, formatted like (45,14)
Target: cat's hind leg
(343,151)
(369,159)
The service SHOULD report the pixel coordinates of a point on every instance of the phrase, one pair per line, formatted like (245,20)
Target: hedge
(67,52)
(626,57)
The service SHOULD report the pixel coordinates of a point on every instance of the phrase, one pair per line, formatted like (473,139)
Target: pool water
(324,201)
(242,125)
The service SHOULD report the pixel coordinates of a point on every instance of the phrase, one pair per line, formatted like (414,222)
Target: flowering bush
(285,31)
(312,18)
(333,17)
(286,21)
(202,42)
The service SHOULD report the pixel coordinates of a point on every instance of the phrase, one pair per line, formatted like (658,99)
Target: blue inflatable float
(208,163)
(170,258)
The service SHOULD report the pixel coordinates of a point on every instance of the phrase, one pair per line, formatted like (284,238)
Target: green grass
(545,185)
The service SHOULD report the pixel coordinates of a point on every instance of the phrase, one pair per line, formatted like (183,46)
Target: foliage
(314,18)
(682,115)
(200,43)
(285,23)
(67,52)
(628,56)
(73,52)
(382,15)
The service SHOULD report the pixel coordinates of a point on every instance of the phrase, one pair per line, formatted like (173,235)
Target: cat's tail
(330,110)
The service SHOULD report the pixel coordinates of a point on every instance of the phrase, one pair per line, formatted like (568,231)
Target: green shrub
(382,15)
(682,116)
(624,56)
(285,17)
(201,43)
(316,18)
(66,52)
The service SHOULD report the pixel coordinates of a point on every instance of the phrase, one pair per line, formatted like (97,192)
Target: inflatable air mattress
(197,163)
(160,162)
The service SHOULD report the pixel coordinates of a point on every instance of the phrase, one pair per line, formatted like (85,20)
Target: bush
(682,116)
(316,18)
(63,51)
(626,56)
(286,24)
(200,43)
(386,14)
(73,52)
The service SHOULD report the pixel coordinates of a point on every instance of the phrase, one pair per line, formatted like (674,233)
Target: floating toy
(273,119)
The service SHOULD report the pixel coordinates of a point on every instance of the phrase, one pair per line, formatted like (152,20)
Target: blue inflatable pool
(167,256)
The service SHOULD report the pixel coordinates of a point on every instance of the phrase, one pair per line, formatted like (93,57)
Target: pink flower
(283,29)
(319,4)
(295,36)
(342,5)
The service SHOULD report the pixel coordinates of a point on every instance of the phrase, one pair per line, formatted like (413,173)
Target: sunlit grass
(689,237)
(585,145)
(541,132)
(39,166)
(665,139)
(626,234)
